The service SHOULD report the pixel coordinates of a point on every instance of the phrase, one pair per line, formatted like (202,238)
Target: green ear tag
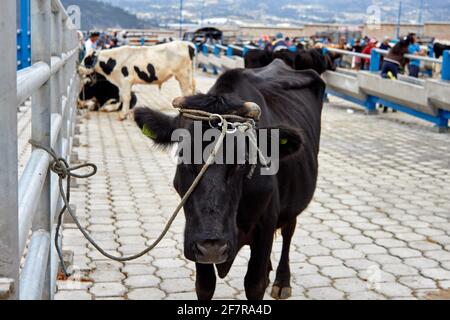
(148,132)
(283,141)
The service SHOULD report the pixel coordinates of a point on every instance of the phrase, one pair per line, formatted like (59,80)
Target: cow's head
(212,209)
(87,67)
(256,58)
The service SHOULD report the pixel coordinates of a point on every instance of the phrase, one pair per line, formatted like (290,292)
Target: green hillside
(96,15)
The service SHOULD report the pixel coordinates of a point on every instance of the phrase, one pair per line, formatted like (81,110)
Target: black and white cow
(127,66)
(439,49)
(234,205)
(98,94)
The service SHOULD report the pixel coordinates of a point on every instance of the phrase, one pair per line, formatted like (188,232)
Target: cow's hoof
(281,293)
(103,110)
(122,118)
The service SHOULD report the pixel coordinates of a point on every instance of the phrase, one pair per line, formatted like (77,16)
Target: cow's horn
(178,102)
(251,110)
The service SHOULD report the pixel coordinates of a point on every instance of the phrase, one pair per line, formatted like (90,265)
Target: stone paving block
(336,244)
(99,276)
(375,275)
(445,265)
(400,269)
(347,231)
(410,236)
(365,295)
(224,291)
(73,295)
(101,228)
(182,296)
(174,273)
(390,243)
(345,254)
(303,268)
(358,239)
(325,261)
(313,251)
(384,258)
(421,262)
(393,289)
(436,273)
(325,293)
(350,285)
(146,294)
(405,252)
(370,248)
(312,280)
(108,289)
(439,255)
(417,282)
(444,284)
(360,264)
(336,272)
(141,281)
(168,263)
(177,285)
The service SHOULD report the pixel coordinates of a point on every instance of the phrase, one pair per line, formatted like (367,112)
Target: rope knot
(60,168)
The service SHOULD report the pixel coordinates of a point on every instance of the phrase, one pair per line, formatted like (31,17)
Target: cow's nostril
(212,251)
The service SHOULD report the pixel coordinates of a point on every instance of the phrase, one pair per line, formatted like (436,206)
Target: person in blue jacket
(414,49)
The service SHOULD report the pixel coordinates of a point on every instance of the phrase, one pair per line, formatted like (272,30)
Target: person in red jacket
(368,50)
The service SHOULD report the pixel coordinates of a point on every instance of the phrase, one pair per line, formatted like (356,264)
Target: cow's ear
(156,125)
(289,141)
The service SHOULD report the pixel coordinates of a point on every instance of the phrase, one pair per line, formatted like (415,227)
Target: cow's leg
(205,281)
(111,106)
(257,277)
(125,94)
(282,286)
(185,79)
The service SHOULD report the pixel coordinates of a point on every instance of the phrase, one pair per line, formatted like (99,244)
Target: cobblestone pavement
(378,228)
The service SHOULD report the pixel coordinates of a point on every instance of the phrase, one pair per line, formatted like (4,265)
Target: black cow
(229,208)
(257,58)
(99,93)
(314,59)
(439,49)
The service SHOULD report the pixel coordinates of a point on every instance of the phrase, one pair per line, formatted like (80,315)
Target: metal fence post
(9,235)
(229,51)
(375,61)
(445,73)
(41,113)
(25,46)
(216,51)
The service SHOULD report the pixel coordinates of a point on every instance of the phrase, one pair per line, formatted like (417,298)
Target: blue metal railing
(24,36)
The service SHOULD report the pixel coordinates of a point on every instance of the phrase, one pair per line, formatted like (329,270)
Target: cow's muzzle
(211,251)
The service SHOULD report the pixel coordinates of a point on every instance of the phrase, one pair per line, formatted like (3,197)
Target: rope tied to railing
(61,167)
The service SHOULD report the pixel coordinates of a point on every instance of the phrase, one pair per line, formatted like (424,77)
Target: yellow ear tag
(148,132)
(283,141)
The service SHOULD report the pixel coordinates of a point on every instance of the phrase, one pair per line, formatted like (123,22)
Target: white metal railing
(29,204)
(412,56)
(349,53)
(383,53)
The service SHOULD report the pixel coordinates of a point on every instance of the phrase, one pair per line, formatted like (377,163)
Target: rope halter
(229,124)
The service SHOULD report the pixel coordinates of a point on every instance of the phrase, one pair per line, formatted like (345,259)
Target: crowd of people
(392,63)
(100,41)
